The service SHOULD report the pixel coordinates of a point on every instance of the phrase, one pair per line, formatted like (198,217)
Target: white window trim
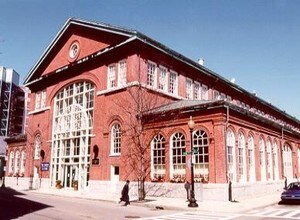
(175,92)
(112,143)
(110,77)
(165,83)
(251,149)
(122,76)
(262,155)
(230,140)
(189,91)
(154,74)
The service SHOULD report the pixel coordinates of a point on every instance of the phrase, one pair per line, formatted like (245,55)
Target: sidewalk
(175,203)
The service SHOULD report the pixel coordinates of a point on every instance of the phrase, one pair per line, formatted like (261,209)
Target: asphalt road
(30,205)
(37,206)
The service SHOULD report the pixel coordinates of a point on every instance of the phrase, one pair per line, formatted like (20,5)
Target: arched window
(275,159)
(158,158)
(23,161)
(241,157)
(115,139)
(11,163)
(231,163)
(37,146)
(269,161)
(178,157)
(251,159)
(262,159)
(287,161)
(200,146)
(17,163)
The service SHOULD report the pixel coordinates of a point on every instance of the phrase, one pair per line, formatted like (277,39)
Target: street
(32,205)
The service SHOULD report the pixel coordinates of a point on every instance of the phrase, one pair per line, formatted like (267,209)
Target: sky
(256,42)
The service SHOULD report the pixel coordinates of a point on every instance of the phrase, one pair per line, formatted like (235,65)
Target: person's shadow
(12,206)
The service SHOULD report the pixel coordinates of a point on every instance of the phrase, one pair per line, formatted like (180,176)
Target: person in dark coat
(124,194)
(187,187)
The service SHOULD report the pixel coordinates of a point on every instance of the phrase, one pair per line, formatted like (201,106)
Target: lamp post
(192,202)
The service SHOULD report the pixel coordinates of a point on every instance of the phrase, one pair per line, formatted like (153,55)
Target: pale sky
(257,42)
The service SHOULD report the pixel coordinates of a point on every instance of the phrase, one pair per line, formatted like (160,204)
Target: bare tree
(138,101)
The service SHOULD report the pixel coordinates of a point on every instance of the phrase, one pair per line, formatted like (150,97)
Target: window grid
(197,91)
(230,155)
(204,92)
(200,145)
(111,76)
(17,163)
(269,161)
(241,158)
(251,157)
(122,73)
(162,79)
(73,123)
(159,157)
(151,74)
(37,146)
(178,154)
(38,100)
(287,161)
(189,89)
(116,139)
(262,159)
(173,83)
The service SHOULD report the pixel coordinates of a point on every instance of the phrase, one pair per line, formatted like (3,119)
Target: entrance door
(70,174)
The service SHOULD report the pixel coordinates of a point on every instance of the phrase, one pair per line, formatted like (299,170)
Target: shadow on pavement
(12,206)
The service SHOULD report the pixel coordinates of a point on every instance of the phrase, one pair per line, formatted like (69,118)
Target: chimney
(201,61)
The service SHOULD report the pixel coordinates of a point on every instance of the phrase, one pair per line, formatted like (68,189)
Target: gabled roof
(133,35)
(80,22)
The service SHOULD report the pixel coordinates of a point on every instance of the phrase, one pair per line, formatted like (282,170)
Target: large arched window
(37,146)
(71,135)
(115,139)
(231,162)
(242,158)
(178,157)
(275,159)
(287,161)
(251,159)
(158,158)
(201,163)
(262,159)
(269,161)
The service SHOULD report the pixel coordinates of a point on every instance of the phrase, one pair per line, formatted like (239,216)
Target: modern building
(109,104)
(11,109)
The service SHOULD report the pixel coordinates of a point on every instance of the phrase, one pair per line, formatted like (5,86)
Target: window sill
(39,110)
(114,155)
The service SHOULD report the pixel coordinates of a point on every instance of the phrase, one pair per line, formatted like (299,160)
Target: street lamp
(192,200)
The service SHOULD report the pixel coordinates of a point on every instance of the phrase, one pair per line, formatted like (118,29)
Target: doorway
(70,174)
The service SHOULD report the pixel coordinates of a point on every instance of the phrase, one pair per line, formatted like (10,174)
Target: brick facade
(100,47)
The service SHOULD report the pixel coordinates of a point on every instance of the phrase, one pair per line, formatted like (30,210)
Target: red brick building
(109,104)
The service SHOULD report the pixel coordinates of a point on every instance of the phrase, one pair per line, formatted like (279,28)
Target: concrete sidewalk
(173,203)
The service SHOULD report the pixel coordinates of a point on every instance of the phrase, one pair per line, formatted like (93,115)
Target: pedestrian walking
(124,194)
(187,187)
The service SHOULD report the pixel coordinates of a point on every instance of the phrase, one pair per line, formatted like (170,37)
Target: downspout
(282,162)
(226,159)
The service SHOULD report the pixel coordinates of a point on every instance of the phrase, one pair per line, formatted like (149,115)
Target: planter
(75,185)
